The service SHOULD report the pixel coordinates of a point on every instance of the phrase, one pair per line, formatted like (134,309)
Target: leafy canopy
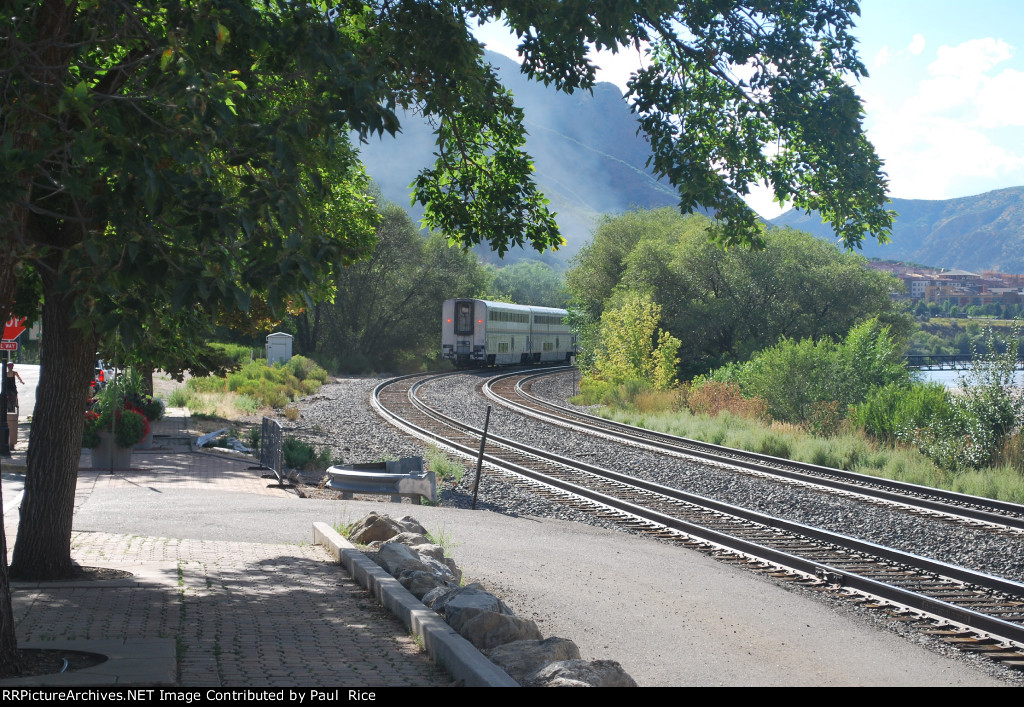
(724,305)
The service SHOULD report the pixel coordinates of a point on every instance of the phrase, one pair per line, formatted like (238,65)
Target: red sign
(13,329)
(8,345)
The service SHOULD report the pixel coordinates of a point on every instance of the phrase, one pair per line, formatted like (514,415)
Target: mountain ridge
(977,232)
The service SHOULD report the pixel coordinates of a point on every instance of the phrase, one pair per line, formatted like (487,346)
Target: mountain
(589,159)
(982,232)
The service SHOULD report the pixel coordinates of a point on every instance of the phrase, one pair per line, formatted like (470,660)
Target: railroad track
(512,391)
(975,610)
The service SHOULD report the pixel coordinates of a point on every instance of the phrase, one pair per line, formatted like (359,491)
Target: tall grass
(849,449)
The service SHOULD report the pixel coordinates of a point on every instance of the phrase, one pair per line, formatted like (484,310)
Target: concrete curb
(450,650)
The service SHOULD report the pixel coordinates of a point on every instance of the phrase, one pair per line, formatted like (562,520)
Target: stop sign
(14,328)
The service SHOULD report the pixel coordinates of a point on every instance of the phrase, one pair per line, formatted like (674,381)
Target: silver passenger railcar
(476,332)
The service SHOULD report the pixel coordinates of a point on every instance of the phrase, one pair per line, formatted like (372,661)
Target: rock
(397,558)
(522,658)
(437,594)
(450,563)
(581,673)
(473,599)
(420,584)
(411,525)
(374,527)
(489,629)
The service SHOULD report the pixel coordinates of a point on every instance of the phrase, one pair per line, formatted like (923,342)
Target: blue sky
(944,102)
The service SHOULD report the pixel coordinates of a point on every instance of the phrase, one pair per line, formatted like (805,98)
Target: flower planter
(147,441)
(107,455)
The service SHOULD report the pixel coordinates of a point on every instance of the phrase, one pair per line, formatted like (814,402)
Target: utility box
(279,348)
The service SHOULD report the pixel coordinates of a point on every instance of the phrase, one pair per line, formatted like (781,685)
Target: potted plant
(153,409)
(112,428)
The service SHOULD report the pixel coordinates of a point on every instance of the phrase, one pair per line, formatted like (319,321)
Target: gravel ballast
(340,415)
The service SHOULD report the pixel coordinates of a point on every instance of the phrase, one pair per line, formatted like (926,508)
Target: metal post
(480,456)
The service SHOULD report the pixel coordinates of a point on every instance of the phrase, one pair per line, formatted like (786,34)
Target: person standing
(13,378)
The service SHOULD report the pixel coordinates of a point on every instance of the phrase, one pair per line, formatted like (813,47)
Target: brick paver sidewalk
(241,614)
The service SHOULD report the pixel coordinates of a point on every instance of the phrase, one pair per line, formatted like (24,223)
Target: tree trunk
(43,547)
(8,638)
(146,387)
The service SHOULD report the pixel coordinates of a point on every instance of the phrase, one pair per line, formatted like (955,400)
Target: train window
(548,346)
(513,343)
(502,347)
(463,317)
(547,319)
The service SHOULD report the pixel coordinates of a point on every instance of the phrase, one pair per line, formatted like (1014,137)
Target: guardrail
(404,477)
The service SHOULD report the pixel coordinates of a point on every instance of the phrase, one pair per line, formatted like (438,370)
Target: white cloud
(939,138)
(883,57)
(1000,100)
(971,58)
(916,45)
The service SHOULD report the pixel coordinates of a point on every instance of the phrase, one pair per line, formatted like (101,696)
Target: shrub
(774,446)
(889,411)
(792,376)
(131,427)
(297,454)
(593,392)
(178,398)
(246,404)
(824,418)
(712,397)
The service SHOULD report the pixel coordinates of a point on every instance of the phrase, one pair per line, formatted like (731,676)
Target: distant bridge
(951,362)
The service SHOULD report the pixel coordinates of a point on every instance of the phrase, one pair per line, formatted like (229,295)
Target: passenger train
(476,332)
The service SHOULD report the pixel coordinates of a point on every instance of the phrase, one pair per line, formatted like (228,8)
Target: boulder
(437,595)
(380,527)
(473,599)
(420,584)
(374,527)
(581,673)
(411,525)
(522,658)
(441,569)
(397,558)
(489,629)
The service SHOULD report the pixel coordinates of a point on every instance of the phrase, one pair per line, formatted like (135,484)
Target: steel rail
(983,510)
(850,579)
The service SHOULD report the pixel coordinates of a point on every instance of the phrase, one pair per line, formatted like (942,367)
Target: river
(951,379)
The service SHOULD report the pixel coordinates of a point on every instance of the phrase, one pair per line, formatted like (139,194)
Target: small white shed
(279,347)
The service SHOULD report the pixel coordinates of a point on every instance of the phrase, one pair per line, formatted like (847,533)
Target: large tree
(726,304)
(386,308)
(163,152)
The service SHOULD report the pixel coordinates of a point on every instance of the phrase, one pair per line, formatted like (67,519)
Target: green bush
(274,386)
(298,454)
(178,398)
(234,352)
(130,428)
(889,411)
(795,377)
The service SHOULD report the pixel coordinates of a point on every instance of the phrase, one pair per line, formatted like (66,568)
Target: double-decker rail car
(476,332)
